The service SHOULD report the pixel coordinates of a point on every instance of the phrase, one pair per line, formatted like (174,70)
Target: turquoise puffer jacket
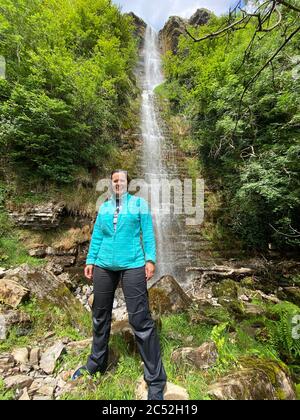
(123,248)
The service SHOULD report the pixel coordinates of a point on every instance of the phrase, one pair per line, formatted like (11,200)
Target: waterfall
(154,157)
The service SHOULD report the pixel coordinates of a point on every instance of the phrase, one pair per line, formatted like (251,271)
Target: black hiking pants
(134,285)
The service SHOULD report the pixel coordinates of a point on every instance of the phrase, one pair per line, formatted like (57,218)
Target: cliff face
(140,27)
(175,26)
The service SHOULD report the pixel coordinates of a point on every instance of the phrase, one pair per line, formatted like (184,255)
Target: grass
(46,318)
(4,393)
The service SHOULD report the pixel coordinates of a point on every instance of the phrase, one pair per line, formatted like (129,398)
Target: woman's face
(119,183)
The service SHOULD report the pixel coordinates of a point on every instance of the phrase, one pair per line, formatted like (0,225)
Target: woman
(115,254)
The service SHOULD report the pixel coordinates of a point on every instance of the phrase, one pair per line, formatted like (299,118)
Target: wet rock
(50,357)
(203,357)
(256,379)
(11,292)
(166,296)
(171,391)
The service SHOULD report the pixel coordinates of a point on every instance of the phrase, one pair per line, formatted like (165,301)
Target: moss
(159,301)
(248,282)
(227,288)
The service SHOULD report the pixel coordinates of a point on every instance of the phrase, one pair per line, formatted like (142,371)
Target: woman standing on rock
(115,254)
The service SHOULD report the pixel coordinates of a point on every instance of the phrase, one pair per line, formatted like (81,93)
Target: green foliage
(4,393)
(281,330)
(220,337)
(68,84)
(248,150)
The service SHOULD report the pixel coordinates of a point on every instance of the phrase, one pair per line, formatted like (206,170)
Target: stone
(18,381)
(2,272)
(46,390)
(91,301)
(255,379)
(48,289)
(166,296)
(34,357)
(79,345)
(21,355)
(12,293)
(252,310)
(140,27)
(203,357)
(10,318)
(44,216)
(50,357)
(171,391)
(200,17)
(6,362)
(226,288)
(24,396)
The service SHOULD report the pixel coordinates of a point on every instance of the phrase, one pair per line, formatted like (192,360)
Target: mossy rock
(227,288)
(255,379)
(248,282)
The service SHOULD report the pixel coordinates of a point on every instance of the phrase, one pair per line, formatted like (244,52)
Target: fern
(281,329)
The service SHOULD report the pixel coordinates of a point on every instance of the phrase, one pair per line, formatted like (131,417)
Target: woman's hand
(88,271)
(150,269)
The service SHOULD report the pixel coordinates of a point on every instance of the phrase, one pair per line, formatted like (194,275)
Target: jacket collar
(123,197)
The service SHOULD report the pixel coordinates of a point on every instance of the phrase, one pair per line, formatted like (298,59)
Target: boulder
(9,318)
(11,292)
(166,296)
(50,357)
(6,362)
(203,357)
(48,289)
(34,357)
(171,391)
(21,355)
(255,379)
(18,382)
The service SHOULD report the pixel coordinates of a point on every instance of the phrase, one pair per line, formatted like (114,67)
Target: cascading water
(154,160)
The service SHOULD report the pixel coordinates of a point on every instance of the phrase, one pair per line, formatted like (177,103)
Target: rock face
(257,379)
(200,17)
(169,35)
(203,357)
(175,26)
(140,27)
(40,217)
(166,296)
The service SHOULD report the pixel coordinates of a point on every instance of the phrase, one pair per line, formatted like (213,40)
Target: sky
(157,12)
